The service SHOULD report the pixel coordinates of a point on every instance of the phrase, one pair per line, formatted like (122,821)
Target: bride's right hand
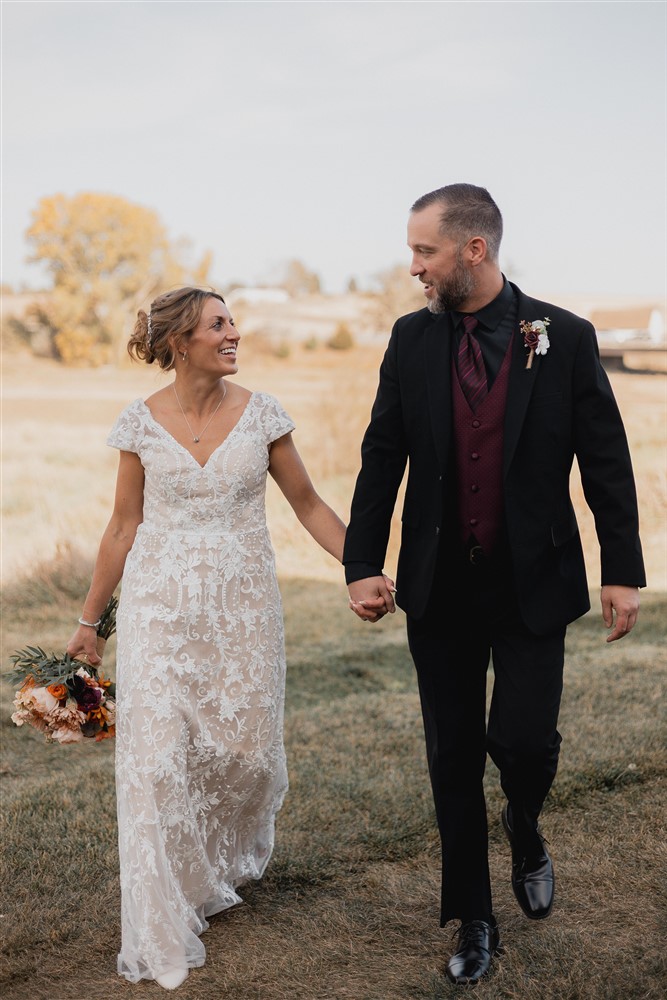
(372,597)
(83,645)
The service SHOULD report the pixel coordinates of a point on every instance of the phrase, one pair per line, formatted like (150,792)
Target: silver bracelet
(90,624)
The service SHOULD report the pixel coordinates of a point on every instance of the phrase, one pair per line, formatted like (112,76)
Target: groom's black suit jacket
(560,407)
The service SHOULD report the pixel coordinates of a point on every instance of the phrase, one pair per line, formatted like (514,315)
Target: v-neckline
(187,450)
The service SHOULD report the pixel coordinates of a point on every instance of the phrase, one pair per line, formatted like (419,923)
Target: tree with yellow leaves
(107,257)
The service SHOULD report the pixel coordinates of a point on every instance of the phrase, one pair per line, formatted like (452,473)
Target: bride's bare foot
(173,979)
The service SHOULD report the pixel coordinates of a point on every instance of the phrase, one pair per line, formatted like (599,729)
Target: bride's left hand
(83,645)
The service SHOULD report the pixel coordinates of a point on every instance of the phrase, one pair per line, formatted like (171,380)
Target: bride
(200,762)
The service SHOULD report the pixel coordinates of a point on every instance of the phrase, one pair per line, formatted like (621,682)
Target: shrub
(341,339)
(281,350)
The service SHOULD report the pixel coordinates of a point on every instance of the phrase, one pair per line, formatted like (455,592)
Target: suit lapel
(521,381)
(437,358)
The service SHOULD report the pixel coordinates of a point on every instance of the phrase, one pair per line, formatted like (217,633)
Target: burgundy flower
(89,699)
(531,338)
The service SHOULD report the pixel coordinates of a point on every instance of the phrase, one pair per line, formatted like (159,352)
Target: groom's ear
(475,251)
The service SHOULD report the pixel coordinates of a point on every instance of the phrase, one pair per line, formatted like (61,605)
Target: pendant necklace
(197,437)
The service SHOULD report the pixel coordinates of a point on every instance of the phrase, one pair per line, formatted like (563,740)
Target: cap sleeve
(126,432)
(276,421)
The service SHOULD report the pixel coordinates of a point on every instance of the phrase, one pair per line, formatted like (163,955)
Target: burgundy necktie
(472,373)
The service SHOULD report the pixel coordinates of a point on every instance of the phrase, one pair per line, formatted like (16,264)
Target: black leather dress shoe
(478,943)
(532,875)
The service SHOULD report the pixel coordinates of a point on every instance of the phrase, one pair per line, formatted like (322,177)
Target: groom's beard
(453,291)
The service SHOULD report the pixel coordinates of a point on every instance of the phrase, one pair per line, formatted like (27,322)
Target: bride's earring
(184,355)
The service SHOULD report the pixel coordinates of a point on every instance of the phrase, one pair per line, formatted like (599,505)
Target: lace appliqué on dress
(200,762)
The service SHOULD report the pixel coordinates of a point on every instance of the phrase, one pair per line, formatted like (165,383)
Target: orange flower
(58,691)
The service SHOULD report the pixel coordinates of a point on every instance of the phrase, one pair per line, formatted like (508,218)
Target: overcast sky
(266,131)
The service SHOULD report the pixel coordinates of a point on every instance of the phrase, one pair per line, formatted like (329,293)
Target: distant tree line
(108,257)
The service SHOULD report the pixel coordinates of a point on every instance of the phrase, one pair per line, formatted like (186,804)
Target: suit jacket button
(437,530)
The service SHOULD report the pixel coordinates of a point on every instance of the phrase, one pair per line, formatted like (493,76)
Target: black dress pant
(472,617)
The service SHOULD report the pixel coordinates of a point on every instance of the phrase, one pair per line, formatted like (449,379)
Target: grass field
(349,907)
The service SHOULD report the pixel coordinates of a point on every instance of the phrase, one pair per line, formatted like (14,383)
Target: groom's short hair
(467,211)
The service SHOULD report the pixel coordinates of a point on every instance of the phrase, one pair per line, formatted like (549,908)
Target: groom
(488,395)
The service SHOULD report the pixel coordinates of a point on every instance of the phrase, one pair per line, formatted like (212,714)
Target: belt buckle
(476,555)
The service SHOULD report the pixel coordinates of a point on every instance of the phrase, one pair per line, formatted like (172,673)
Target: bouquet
(66,699)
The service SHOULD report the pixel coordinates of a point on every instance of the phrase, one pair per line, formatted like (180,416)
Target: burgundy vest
(479,458)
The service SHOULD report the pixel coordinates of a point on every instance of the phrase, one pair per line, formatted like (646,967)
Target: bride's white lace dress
(200,762)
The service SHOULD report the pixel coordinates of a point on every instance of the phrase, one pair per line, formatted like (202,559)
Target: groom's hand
(372,598)
(624,602)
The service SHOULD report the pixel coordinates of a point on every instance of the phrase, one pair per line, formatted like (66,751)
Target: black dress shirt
(496,323)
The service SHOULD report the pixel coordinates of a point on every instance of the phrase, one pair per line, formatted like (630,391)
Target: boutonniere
(535,337)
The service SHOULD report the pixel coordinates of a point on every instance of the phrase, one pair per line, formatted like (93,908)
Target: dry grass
(348,909)
(58,476)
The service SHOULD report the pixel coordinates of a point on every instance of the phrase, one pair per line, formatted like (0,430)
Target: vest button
(474,456)
(476,423)
(472,522)
(475,488)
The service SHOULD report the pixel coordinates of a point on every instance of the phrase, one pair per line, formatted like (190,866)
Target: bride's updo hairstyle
(172,319)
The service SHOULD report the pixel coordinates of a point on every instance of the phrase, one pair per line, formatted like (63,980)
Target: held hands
(624,601)
(372,598)
(83,645)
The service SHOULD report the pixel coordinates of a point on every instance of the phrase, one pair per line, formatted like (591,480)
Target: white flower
(542,344)
(67,735)
(43,700)
(539,327)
